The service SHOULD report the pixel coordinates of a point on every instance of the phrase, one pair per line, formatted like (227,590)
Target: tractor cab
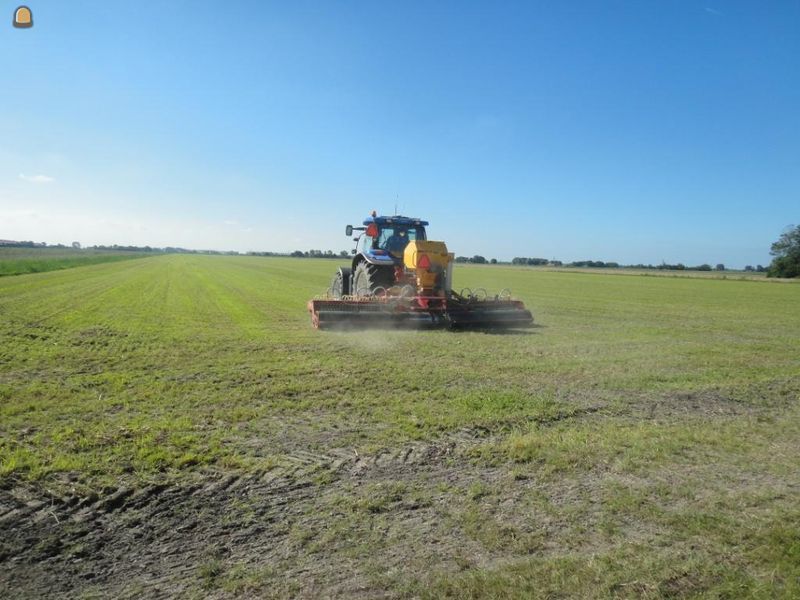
(385,238)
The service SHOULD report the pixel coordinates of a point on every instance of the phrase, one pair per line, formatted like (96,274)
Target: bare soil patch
(333,524)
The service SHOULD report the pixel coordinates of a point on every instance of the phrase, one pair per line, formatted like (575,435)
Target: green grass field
(18,261)
(641,441)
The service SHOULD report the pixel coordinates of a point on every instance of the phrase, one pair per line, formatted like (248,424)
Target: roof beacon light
(23,18)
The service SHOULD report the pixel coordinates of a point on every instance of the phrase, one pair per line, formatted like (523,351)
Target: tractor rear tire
(367,278)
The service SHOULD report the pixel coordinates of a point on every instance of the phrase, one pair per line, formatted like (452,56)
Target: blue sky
(636,131)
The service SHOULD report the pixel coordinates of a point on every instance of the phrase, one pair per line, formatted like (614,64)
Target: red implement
(454,312)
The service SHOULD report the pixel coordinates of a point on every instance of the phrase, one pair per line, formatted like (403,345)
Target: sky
(632,131)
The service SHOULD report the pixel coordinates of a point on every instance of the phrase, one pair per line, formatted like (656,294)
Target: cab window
(413,233)
(365,243)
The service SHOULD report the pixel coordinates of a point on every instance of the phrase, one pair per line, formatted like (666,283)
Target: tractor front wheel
(340,286)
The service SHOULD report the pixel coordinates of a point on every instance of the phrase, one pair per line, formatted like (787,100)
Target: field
(17,261)
(172,426)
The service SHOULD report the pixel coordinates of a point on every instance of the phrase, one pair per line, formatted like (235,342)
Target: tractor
(398,277)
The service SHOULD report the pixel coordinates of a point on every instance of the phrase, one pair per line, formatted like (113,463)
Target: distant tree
(461,259)
(749,268)
(760,268)
(703,267)
(598,264)
(76,245)
(667,267)
(555,263)
(720,267)
(787,254)
(298,254)
(478,259)
(344,253)
(493,261)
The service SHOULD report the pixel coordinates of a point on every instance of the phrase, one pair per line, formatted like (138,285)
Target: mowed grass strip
(142,368)
(19,261)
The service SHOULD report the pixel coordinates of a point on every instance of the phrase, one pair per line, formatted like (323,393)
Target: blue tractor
(400,278)
(378,260)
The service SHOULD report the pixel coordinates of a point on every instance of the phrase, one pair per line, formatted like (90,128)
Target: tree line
(319,254)
(600,264)
(786,253)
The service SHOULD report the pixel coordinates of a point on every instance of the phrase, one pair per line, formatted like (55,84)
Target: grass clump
(628,446)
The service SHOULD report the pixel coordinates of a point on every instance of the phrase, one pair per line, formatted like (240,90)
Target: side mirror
(348,231)
(353,251)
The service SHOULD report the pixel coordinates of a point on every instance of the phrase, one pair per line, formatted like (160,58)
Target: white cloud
(230,222)
(36,178)
(712,11)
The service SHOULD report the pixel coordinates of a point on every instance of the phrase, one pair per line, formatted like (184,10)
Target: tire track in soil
(161,529)
(151,541)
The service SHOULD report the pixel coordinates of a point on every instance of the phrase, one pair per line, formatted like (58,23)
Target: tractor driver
(396,243)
